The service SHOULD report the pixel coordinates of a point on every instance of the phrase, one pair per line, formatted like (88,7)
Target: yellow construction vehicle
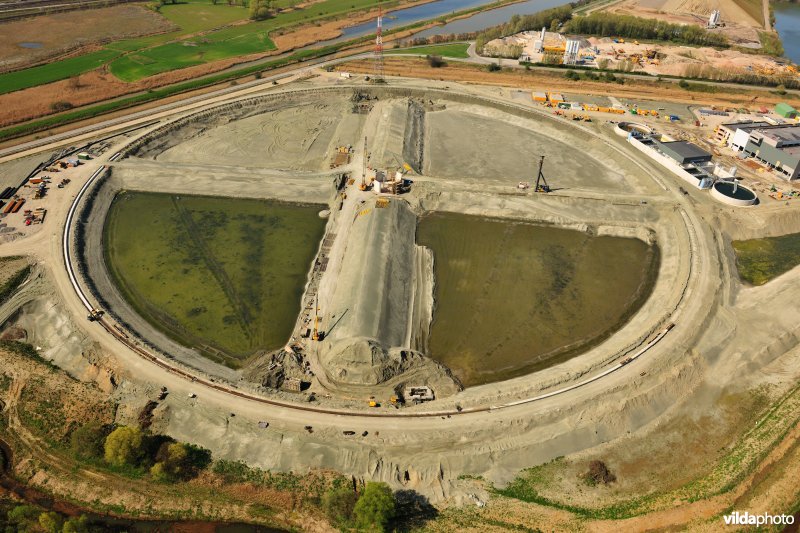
(382,202)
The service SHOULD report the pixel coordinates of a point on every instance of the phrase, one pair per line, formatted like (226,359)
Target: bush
(50,522)
(375,508)
(61,106)
(260,9)
(338,504)
(493,67)
(77,524)
(176,461)
(123,447)
(435,61)
(572,75)
(599,473)
(88,441)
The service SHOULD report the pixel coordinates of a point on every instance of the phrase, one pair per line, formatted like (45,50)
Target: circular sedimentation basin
(732,193)
(450,119)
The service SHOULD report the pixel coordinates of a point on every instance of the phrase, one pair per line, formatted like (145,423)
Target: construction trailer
(539,97)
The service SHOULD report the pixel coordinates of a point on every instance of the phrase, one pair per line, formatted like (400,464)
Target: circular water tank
(624,128)
(732,193)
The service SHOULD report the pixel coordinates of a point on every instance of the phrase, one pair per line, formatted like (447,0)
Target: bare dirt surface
(732,347)
(63,33)
(689,61)
(271,139)
(547,81)
(740,27)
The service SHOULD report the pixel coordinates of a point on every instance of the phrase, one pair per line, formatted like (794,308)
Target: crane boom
(541,182)
(363,185)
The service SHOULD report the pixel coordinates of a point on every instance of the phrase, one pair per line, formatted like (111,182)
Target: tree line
(628,26)
(549,18)
(603,25)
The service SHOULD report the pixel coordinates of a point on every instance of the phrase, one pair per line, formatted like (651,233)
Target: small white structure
(714,19)
(418,394)
(571,52)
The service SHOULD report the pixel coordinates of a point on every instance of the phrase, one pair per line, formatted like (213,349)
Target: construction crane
(317,335)
(541,182)
(363,185)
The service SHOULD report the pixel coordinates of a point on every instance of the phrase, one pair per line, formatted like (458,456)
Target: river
(434,10)
(787,22)
(493,17)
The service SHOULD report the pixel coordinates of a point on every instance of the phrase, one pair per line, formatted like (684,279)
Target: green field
(224,43)
(761,260)
(187,53)
(190,17)
(224,275)
(58,70)
(512,298)
(458,50)
(146,56)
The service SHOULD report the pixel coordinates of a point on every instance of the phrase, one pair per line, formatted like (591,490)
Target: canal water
(493,17)
(433,10)
(787,22)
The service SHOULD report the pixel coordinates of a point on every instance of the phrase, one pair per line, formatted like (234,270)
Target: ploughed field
(223,275)
(513,297)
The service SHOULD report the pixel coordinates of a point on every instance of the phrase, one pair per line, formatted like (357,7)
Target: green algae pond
(761,260)
(223,275)
(513,297)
